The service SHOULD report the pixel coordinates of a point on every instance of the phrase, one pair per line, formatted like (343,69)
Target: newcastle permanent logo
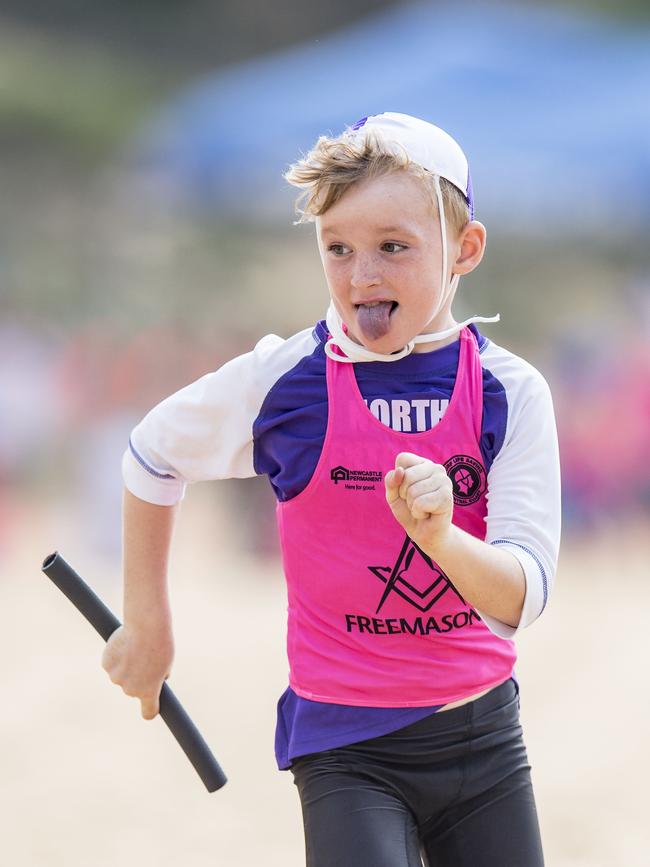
(356,480)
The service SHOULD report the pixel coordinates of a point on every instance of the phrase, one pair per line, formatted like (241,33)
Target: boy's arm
(204,431)
(139,655)
(420,495)
(507,578)
(523,496)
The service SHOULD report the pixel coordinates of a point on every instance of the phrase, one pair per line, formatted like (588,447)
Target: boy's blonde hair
(333,165)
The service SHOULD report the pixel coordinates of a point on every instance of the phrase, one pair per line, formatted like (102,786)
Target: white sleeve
(523,511)
(205,430)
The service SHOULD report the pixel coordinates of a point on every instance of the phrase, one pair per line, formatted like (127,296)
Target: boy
(416,470)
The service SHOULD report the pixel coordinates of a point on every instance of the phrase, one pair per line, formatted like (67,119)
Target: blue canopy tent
(551,107)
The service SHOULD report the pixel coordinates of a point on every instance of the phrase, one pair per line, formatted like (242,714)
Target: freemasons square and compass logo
(414,577)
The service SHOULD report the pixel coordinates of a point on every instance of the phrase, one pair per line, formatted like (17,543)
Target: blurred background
(146,237)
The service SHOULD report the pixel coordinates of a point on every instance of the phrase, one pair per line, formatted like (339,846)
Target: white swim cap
(423,143)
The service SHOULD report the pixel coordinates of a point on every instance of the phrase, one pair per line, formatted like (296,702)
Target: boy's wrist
(441,545)
(152,618)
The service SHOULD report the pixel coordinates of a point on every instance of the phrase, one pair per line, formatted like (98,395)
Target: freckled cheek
(337,278)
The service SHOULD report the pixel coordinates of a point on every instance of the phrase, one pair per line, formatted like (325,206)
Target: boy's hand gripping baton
(171,710)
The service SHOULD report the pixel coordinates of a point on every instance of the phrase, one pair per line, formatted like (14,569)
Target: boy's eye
(392,247)
(337,249)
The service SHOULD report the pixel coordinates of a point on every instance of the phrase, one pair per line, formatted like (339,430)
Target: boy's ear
(471,246)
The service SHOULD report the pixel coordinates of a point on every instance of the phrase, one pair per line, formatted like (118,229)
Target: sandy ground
(88,783)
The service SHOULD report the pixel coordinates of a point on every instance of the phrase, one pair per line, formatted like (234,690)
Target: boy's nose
(365,273)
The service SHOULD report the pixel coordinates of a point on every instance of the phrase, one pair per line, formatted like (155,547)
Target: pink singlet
(372,620)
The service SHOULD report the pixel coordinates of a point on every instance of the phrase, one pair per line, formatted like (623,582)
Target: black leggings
(452,790)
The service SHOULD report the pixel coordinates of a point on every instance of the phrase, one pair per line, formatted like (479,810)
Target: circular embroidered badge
(468,479)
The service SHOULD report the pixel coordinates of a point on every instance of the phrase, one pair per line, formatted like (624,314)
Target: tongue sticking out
(374,321)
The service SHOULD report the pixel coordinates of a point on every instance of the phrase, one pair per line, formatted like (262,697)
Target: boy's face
(382,253)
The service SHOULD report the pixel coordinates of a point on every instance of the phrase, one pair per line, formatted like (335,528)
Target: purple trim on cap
(470,194)
(359,123)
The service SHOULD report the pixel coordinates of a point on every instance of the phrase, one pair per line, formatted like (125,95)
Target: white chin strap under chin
(355,352)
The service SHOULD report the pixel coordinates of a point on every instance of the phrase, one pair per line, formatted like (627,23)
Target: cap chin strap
(354,352)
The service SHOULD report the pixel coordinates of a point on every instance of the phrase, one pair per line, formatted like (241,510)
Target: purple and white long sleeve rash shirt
(265,412)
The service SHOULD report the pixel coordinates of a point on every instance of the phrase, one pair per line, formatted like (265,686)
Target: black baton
(171,710)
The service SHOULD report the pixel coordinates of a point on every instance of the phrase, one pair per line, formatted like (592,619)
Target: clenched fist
(420,495)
